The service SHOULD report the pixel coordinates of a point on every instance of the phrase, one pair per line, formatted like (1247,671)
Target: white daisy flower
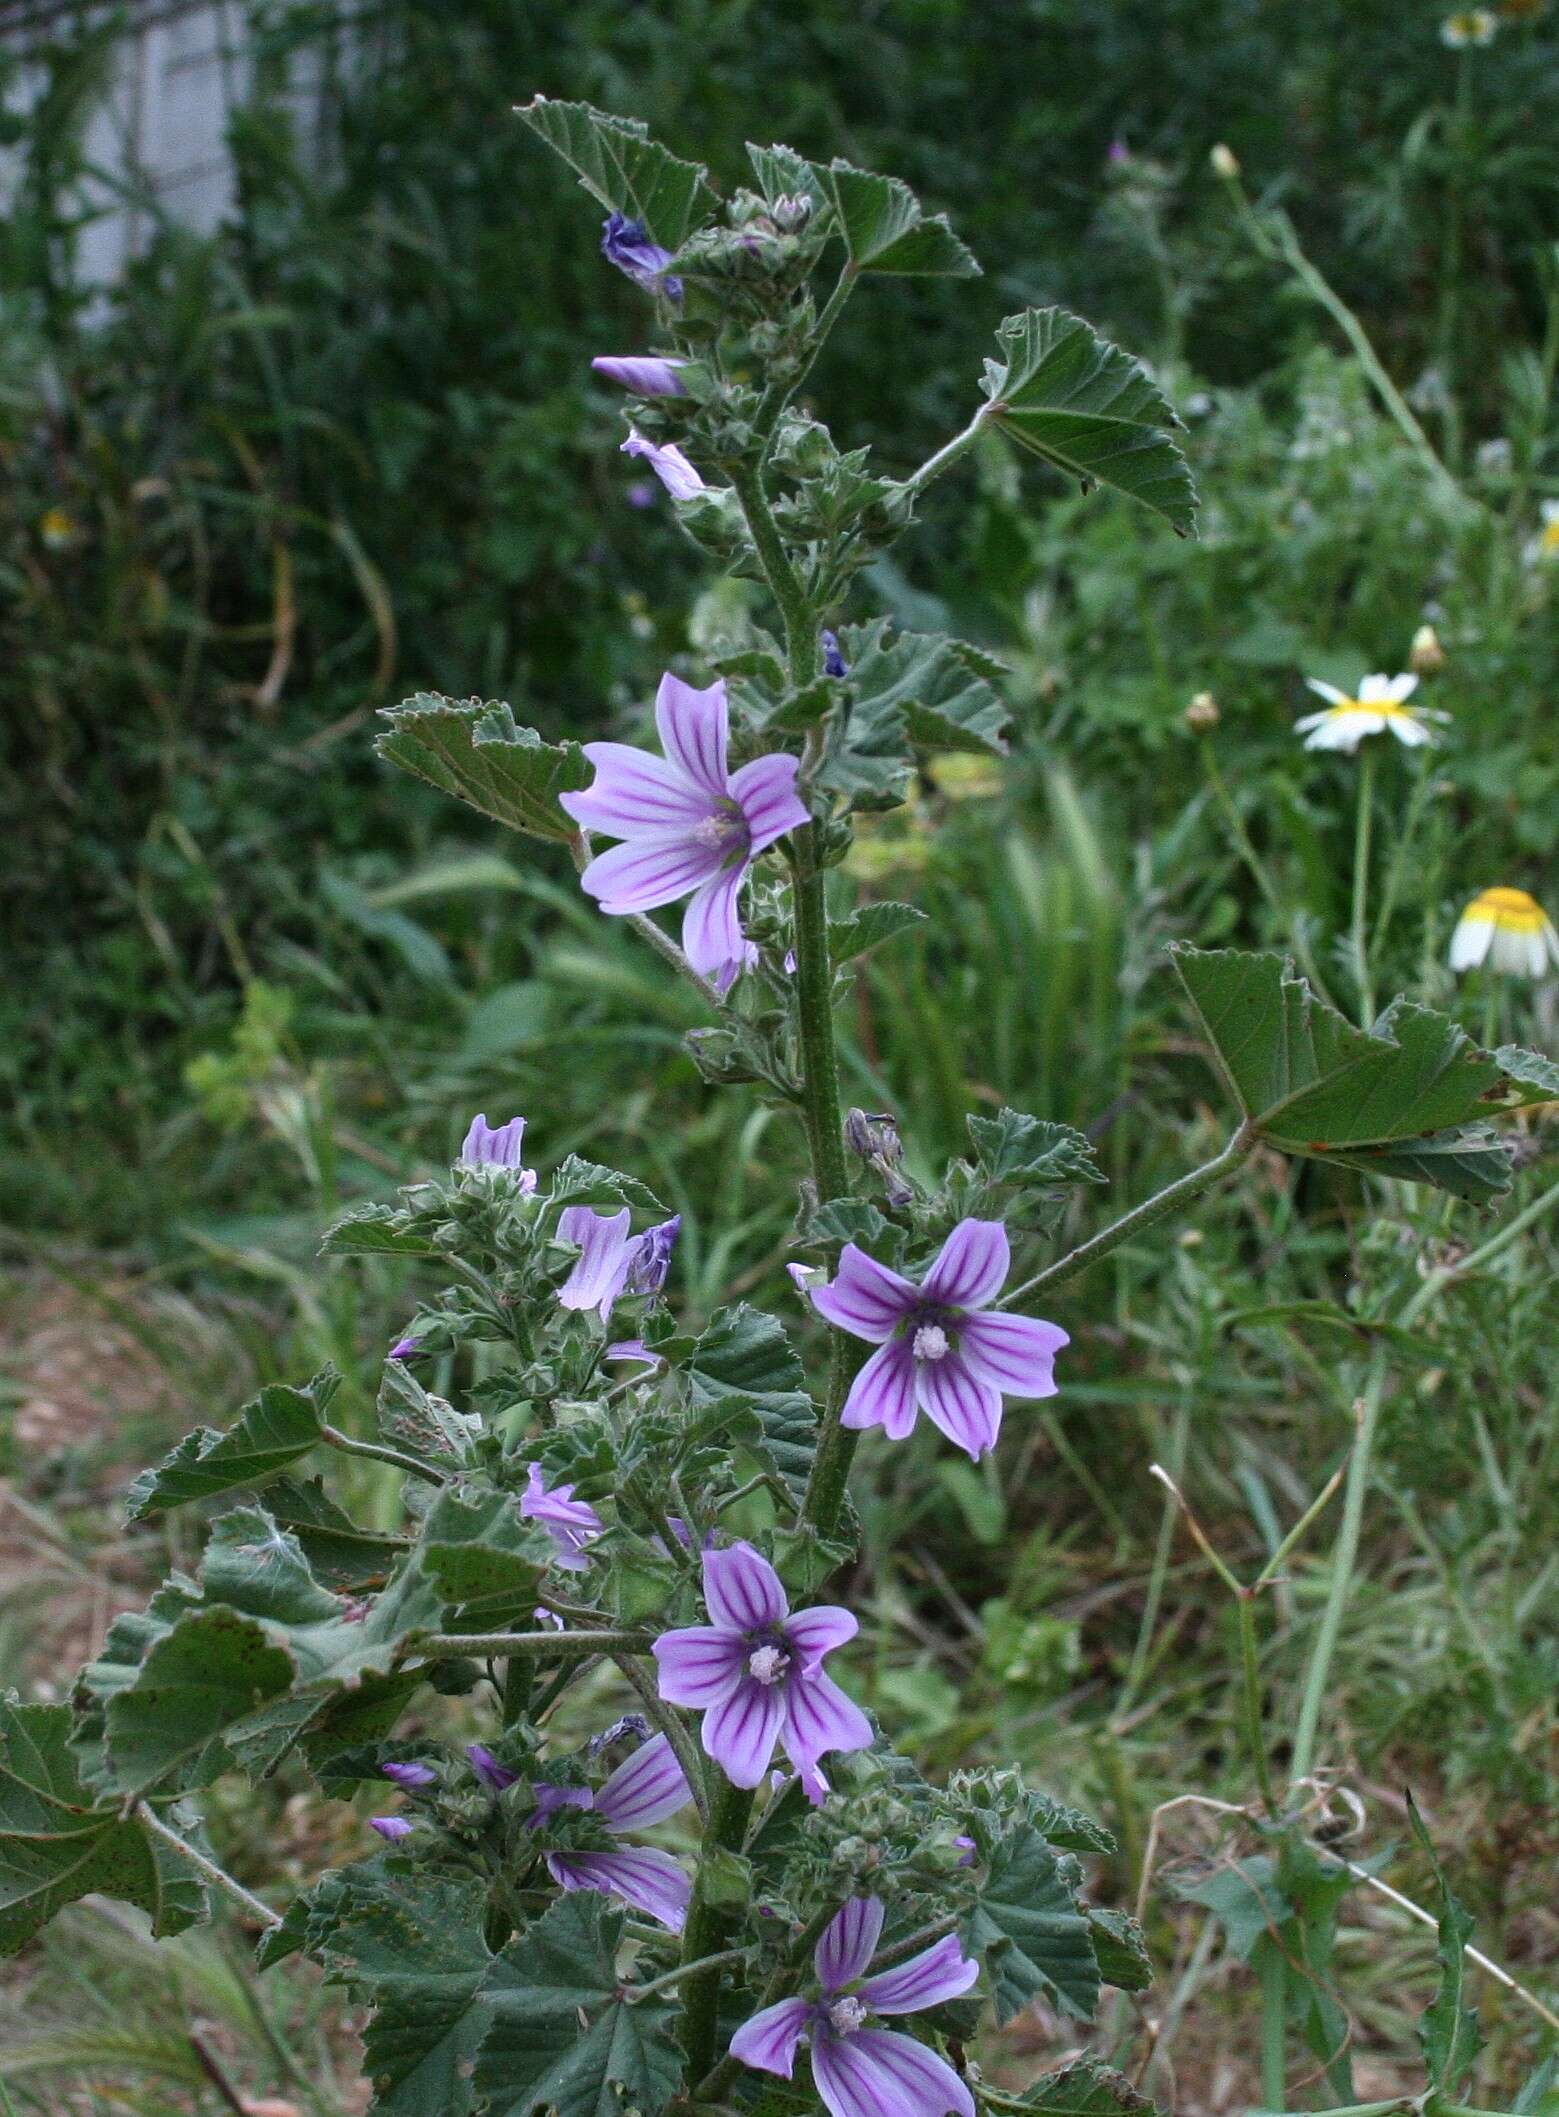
(1379,705)
(1469,26)
(1507,930)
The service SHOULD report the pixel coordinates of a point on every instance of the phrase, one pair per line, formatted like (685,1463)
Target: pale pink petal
(768,2042)
(967,1409)
(648,872)
(820,1717)
(1016,1354)
(849,1942)
(971,1267)
(742,1589)
(741,1731)
(700,1665)
(651,1882)
(636,795)
(864,1297)
(712,937)
(883,1393)
(816,1632)
(646,1788)
(765,791)
(942,1972)
(693,726)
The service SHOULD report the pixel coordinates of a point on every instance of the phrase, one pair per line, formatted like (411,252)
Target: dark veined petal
(765,792)
(971,1267)
(646,1788)
(1016,1354)
(954,1398)
(942,1972)
(883,1393)
(650,1881)
(742,1589)
(694,726)
(645,873)
(740,1732)
(864,1297)
(605,1255)
(849,1942)
(712,937)
(636,795)
(878,2073)
(699,1665)
(819,1717)
(816,1632)
(768,2042)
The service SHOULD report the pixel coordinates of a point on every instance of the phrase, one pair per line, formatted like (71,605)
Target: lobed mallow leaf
(57,1845)
(274,1431)
(1409,1097)
(1031,1933)
(479,752)
(624,169)
(1085,2088)
(885,228)
(1091,411)
(1013,1147)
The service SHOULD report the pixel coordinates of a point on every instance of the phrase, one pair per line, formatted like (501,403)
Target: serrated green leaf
(57,1845)
(946,704)
(1405,1098)
(782,173)
(341,1554)
(372,1231)
(483,1558)
(1067,1827)
(1532,1077)
(1448,2028)
(624,169)
(1091,411)
(846,1220)
(1014,1147)
(214,1667)
(868,926)
(1120,1948)
(562,2037)
(885,229)
(744,1362)
(276,1429)
(478,751)
(1085,2088)
(579,1182)
(1245,1899)
(1031,1933)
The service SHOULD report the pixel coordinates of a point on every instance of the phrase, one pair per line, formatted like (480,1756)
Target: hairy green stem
(667,1978)
(778,395)
(946,455)
(785,584)
(1148,1214)
(209,1871)
(704,1931)
(378,1453)
(541,1646)
(1359,927)
(1250,1685)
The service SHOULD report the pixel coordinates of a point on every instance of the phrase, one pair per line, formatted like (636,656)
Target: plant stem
(1485,1253)
(796,612)
(1250,1674)
(1361,874)
(778,395)
(218,1877)
(702,1935)
(334,1438)
(1274,2021)
(946,455)
(1343,1559)
(543,1646)
(1158,1207)
(671,1977)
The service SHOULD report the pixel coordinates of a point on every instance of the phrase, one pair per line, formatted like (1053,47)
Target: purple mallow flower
(834,663)
(669,464)
(394,1828)
(569,1522)
(410,1774)
(943,1350)
(610,1261)
(757,1671)
(626,244)
(690,826)
(405,1349)
(493,1775)
(860,2071)
(496,1147)
(645,1789)
(646,374)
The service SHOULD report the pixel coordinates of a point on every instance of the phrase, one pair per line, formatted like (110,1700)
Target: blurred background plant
(348,446)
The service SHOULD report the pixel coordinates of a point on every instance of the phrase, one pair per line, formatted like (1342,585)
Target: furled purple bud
(633,1724)
(669,464)
(405,1349)
(834,663)
(651,1260)
(411,1774)
(626,244)
(492,1774)
(391,1827)
(647,375)
(497,1147)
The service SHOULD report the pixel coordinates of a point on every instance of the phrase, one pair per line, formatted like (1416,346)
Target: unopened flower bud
(1225,161)
(1426,655)
(790,211)
(1201,715)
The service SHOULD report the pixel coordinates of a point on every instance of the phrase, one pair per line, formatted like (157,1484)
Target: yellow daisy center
(1387,708)
(1511,910)
(1550,537)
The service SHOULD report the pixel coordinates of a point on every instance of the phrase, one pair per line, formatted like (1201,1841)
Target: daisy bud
(1225,161)
(1201,715)
(1426,655)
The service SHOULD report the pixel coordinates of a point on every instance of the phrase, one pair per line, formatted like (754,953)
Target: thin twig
(218,1877)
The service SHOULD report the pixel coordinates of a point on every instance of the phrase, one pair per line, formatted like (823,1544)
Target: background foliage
(349,448)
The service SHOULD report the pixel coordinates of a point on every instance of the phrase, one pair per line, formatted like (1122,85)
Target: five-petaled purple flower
(646,374)
(757,1671)
(943,1350)
(645,1789)
(569,1522)
(496,1147)
(859,2071)
(611,1261)
(668,463)
(626,244)
(688,823)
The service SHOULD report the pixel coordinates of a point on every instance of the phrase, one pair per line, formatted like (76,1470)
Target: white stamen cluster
(846,2015)
(720,828)
(929,1342)
(768,1664)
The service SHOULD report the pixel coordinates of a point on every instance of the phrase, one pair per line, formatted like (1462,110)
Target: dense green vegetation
(350,448)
